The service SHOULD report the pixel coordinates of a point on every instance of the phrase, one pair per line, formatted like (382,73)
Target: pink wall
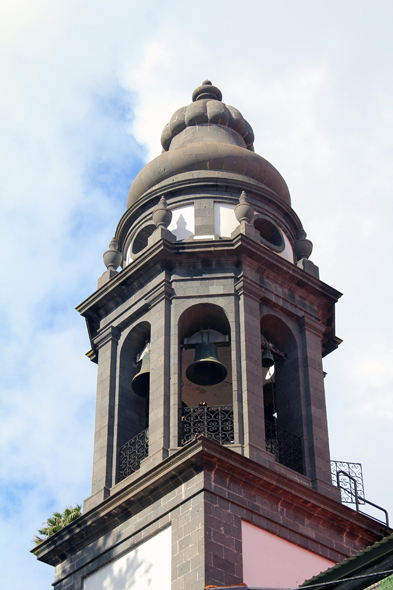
(272,562)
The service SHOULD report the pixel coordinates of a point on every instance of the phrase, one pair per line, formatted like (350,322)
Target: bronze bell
(267,359)
(141,382)
(206,368)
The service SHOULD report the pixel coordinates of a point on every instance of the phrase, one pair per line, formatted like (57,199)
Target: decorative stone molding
(162,216)
(244,211)
(112,257)
(302,247)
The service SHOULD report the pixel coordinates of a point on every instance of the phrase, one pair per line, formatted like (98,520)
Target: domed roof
(206,109)
(207,138)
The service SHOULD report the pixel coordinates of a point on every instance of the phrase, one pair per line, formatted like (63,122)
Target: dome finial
(207,90)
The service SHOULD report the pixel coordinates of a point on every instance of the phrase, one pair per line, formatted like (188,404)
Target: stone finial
(244,211)
(302,247)
(207,90)
(112,257)
(162,216)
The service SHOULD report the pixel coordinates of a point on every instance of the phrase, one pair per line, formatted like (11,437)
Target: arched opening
(281,392)
(133,407)
(140,241)
(271,236)
(205,397)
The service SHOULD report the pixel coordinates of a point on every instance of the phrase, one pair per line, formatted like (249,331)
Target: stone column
(315,432)
(106,343)
(251,373)
(159,404)
(175,377)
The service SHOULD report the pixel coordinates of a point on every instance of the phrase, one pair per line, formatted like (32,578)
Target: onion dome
(207,109)
(205,140)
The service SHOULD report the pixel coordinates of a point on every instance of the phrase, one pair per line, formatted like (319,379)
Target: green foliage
(56,522)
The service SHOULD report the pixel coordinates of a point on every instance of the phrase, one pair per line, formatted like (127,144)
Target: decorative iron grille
(286,447)
(215,422)
(132,453)
(347,486)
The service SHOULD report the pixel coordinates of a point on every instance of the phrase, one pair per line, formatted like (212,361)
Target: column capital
(310,324)
(105,335)
(247,286)
(163,290)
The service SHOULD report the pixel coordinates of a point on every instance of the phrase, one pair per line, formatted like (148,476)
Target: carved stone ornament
(302,247)
(112,257)
(162,216)
(244,211)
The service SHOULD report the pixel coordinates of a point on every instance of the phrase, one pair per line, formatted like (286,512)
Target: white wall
(287,253)
(148,567)
(225,221)
(272,562)
(183,222)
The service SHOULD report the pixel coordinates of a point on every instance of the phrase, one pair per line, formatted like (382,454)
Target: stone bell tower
(211,451)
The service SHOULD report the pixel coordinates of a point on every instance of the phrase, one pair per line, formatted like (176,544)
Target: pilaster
(159,402)
(315,432)
(251,372)
(106,344)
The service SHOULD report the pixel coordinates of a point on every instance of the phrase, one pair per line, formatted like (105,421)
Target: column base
(327,489)
(95,499)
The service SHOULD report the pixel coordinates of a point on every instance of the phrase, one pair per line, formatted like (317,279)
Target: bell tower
(208,329)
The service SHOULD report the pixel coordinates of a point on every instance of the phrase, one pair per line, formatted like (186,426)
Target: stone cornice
(210,457)
(177,253)
(238,254)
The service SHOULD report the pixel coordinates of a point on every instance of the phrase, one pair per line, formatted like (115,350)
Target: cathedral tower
(211,452)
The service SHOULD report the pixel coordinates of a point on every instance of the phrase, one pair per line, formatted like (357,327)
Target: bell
(267,359)
(206,368)
(141,382)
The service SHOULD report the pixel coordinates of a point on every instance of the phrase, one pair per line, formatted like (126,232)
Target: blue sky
(86,89)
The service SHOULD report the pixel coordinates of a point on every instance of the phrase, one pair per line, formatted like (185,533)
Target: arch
(140,241)
(209,314)
(271,235)
(219,397)
(133,410)
(282,395)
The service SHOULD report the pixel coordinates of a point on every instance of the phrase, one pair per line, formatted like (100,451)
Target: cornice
(166,255)
(210,457)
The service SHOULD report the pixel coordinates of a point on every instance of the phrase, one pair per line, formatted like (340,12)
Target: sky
(86,89)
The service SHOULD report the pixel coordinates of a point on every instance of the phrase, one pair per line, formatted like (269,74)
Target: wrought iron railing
(132,453)
(350,486)
(214,422)
(347,486)
(286,447)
